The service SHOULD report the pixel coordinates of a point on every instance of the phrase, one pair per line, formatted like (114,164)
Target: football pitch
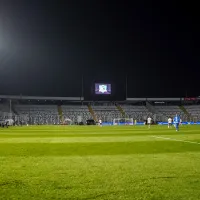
(102,163)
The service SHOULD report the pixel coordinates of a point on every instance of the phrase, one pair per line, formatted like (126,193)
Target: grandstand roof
(20,97)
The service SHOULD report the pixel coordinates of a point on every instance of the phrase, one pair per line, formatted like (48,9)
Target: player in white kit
(169,122)
(181,122)
(100,122)
(149,121)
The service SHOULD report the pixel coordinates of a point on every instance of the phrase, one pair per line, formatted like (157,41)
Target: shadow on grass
(98,196)
(164,177)
(12,183)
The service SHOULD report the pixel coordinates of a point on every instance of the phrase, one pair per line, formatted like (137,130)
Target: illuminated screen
(101,88)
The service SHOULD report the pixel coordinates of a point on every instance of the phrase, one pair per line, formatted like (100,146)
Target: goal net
(67,121)
(123,121)
(13,119)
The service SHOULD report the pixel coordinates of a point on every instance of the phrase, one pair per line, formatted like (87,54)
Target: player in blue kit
(176,122)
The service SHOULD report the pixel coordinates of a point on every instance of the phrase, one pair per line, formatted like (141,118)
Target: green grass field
(103,163)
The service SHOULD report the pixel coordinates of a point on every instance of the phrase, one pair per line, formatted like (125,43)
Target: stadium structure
(36,110)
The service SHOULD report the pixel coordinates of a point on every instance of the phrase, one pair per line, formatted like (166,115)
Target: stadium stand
(4,111)
(170,111)
(77,113)
(92,113)
(139,113)
(39,114)
(106,112)
(4,107)
(121,110)
(56,110)
(194,112)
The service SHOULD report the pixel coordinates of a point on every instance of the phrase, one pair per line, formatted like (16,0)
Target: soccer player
(181,122)
(149,121)
(176,122)
(169,122)
(100,122)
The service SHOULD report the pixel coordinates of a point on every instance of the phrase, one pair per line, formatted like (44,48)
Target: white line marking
(186,141)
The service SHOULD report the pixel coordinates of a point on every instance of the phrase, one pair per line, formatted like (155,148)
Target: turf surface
(103,163)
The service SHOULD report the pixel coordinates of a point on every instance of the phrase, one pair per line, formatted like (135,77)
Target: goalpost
(123,121)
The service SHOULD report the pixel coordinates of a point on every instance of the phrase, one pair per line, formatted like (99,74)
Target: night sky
(46,47)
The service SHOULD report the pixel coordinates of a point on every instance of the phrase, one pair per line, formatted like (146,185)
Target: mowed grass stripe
(131,177)
(108,148)
(97,132)
(182,137)
(148,169)
(75,139)
(96,128)
(122,138)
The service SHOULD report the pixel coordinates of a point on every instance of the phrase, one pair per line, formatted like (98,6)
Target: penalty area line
(172,139)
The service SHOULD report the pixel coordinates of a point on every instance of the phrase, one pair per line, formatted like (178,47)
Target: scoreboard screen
(101,88)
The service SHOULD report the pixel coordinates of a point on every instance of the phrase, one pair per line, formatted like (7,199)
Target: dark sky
(46,46)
